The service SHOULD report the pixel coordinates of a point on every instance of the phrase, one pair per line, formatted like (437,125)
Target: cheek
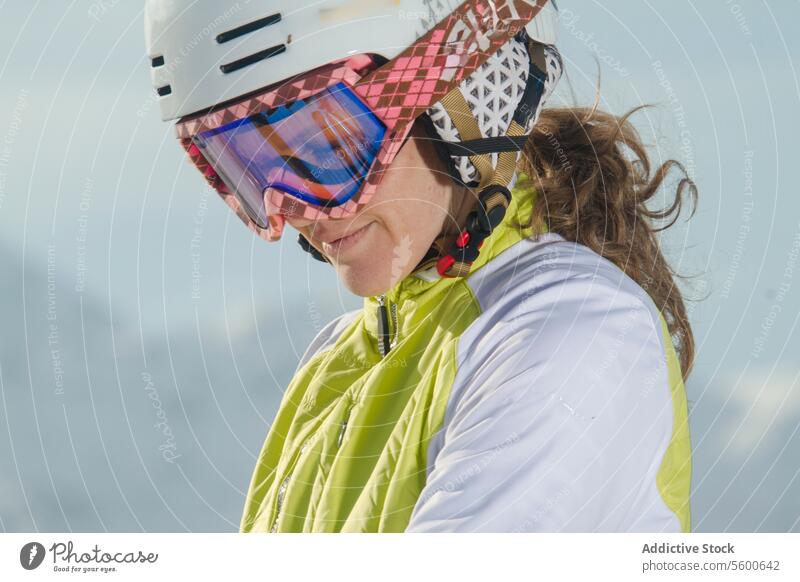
(411,203)
(410,222)
(409,208)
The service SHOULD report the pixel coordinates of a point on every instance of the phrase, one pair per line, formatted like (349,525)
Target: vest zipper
(343,428)
(394,323)
(279,503)
(384,331)
(285,483)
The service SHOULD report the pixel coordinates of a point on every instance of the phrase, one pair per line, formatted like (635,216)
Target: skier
(519,359)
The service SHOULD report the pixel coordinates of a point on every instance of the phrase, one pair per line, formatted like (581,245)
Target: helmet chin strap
(455,257)
(311,249)
(494,195)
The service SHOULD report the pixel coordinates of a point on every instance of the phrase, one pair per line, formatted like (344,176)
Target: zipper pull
(279,502)
(384,344)
(343,428)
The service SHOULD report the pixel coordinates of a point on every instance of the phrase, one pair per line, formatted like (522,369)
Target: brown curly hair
(594,179)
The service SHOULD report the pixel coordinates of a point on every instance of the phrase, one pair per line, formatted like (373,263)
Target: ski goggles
(317,146)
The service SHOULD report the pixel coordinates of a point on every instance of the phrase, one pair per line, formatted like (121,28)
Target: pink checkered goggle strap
(287,92)
(404,88)
(397,92)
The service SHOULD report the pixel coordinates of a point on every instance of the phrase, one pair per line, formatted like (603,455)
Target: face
(382,244)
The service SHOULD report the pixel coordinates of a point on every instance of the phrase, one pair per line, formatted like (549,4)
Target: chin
(374,266)
(363,280)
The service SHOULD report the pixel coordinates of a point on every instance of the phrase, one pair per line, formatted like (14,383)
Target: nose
(299,223)
(272,202)
(281,207)
(275,215)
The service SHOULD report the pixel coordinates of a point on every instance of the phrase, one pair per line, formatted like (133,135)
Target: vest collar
(422,285)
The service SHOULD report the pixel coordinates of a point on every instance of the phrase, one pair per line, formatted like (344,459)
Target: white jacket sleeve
(560,413)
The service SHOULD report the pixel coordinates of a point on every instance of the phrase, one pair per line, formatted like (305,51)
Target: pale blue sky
(94,188)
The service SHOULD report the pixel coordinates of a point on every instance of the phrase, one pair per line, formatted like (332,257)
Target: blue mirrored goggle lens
(319,150)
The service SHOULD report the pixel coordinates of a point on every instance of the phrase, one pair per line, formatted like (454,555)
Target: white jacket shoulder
(560,411)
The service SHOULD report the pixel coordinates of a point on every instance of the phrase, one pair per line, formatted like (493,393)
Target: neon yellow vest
(347,450)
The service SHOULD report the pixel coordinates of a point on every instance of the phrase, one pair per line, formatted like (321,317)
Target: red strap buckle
(443,265)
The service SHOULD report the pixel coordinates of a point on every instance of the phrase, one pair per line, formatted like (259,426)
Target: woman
(518,363)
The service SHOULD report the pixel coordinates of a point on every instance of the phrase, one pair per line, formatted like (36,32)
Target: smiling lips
(324,237)
(338,245)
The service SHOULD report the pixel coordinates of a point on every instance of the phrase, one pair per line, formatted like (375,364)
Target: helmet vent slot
(164,91)
(248,28)
(158,61)
(254,58)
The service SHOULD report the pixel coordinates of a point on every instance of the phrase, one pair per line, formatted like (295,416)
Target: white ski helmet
(207,52)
